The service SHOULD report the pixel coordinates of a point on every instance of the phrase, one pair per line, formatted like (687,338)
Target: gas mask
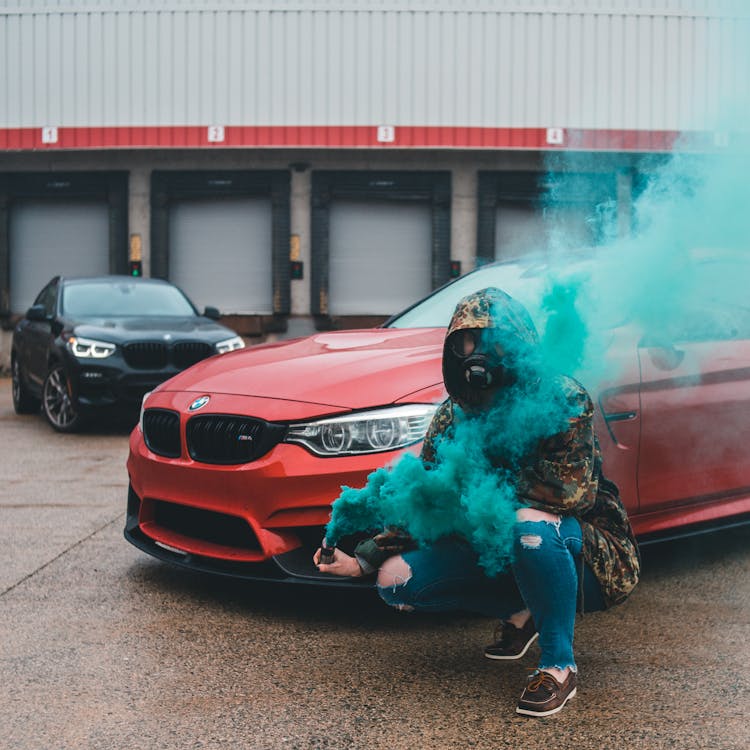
(475,362)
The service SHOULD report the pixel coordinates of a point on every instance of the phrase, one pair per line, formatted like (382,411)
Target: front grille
(146,355)
(230,439)
(187,353)
(161,431)
(205,525)
(156,355)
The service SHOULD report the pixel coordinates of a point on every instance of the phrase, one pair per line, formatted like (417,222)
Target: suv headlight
(373,431)
(89,348)
(229,345)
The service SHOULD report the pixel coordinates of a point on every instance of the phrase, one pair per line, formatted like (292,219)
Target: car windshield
(523,281)
(124,299)
(716,308)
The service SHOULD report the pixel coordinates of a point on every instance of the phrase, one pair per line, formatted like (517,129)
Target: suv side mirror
(212,312)
(37,313)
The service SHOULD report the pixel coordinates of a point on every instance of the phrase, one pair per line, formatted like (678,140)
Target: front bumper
(262,519)
(292,566)
(101,386)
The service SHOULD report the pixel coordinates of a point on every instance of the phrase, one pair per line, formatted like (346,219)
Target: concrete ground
(101,647)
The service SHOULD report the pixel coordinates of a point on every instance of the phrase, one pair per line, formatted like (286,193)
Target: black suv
(91,344)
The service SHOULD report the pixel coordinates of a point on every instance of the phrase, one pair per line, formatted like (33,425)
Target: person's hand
(342,565)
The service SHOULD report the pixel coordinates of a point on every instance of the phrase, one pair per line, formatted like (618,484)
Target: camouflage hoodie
(561,473)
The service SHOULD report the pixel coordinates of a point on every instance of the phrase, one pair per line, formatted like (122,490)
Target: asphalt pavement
(103,647)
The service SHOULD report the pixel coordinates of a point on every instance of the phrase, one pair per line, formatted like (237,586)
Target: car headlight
(229,345)
(89,348)
(364,432)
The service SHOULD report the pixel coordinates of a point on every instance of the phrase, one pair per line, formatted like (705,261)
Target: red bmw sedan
(235,461)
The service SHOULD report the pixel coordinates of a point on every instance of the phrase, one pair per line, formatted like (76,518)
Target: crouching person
(573,547)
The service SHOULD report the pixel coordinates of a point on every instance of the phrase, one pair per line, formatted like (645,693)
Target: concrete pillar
(624,203)
(464,215)
(300,322)
(139,212)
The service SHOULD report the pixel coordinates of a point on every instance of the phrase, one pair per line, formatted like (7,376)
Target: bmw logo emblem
(199,403)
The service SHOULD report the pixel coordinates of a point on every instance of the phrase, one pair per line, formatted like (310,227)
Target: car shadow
(352,607)
(682,557)
(319,605)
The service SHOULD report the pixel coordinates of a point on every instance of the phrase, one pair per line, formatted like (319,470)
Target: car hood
(343,369)
(119,330)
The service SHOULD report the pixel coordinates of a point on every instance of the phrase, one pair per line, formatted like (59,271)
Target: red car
(236,461)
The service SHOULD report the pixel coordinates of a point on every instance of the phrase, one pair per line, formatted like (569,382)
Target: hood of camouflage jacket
(506,326)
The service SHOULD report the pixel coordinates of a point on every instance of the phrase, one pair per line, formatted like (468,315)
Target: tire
(57,403)
(23,401)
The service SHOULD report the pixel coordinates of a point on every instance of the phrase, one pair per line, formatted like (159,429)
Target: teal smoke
(679,269)
(682,271)
(470,489)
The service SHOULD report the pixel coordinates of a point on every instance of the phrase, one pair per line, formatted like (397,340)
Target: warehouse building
(308,165)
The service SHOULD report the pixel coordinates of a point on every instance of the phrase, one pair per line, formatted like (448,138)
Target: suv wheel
(57,402)
(23,401)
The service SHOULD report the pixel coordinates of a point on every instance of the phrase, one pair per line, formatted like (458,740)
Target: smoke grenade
(326,552)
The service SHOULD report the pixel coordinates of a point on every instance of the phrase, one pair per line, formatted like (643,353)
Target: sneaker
(511,642)
(544,695)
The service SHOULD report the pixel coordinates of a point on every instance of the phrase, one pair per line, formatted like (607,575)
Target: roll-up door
(50,238)
(523,228)
(220,253)
(380,256)
(521,213)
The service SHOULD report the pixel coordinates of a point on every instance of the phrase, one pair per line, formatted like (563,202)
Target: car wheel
(23,401)
(57,402)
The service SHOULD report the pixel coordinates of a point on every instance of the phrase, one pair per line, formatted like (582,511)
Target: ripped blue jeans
(544,579)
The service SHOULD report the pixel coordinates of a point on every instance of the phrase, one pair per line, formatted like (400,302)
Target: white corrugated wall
(669,65)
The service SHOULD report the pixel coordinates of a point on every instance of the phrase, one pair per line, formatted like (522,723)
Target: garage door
(523,228)
(220,253)
(380,256)
(55,238)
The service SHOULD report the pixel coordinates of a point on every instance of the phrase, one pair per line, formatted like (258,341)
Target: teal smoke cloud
(681,270)
(470,489)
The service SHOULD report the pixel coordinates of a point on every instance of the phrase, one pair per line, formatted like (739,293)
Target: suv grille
(155,355)
(187,353)
(161,431)
(145,355)
(230,439)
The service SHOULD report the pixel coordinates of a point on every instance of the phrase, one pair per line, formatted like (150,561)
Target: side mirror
(37,313)
(662,351)
(212,312)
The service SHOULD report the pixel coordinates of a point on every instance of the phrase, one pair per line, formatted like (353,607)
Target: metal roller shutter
(380,256)
(523,228)
(55,238)
(220,253)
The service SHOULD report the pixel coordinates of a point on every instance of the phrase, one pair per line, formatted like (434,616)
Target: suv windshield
(123,299)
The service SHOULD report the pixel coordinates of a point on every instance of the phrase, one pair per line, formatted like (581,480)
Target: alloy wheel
(58,403)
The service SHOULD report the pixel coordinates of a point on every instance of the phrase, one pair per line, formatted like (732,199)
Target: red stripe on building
(355,136)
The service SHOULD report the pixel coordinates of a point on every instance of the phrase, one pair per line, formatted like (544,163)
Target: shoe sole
(529,712)
(515,656)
